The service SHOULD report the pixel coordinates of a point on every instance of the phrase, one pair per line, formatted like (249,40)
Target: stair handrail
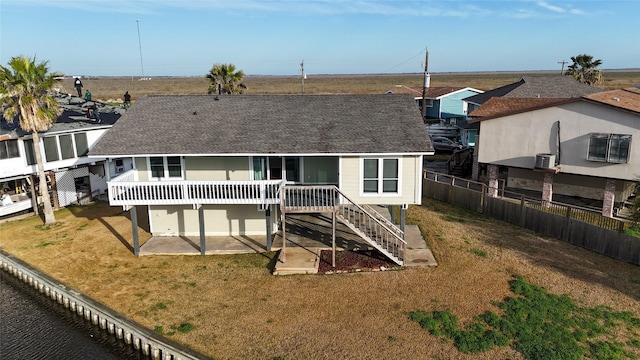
(397,234)
(386,224)
(384,219)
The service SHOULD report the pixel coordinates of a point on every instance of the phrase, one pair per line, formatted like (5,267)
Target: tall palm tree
(585,69)
(225,79)
(24,88)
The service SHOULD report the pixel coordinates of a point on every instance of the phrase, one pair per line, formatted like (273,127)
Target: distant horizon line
(353,74)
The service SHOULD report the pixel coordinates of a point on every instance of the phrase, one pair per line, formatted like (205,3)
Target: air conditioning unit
(545,161)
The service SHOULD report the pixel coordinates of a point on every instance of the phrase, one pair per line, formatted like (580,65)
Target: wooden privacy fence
(578,226)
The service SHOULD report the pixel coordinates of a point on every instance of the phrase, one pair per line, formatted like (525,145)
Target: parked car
(444,144)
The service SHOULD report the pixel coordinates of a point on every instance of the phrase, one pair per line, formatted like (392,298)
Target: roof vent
(616,99)
(545,161)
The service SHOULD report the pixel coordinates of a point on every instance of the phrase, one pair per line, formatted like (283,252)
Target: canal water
(32,326)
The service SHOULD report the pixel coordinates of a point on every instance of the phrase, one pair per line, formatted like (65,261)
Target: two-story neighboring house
(527,87)
(582,147)
(220,165)
(72,176)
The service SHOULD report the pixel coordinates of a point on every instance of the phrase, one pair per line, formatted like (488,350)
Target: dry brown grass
(239,310)
(106,88)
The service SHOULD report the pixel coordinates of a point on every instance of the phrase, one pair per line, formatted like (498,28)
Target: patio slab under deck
(190,245)
(307,234)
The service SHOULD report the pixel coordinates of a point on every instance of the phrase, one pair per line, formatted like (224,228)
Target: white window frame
(165,165)
(5,144)
(380,177)
(608,152)
(74,146)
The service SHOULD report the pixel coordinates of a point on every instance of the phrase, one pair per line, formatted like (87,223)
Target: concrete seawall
(148,343)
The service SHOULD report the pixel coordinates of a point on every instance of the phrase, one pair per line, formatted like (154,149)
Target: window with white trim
(162,167)
(613,148)
(9,149)
(381,175)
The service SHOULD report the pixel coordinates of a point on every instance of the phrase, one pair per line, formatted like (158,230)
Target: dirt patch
(353,261)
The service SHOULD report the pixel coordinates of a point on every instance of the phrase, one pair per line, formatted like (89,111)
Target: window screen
(157,167)
(174,165)
(66,147)
(29,152)
(82,146)
(51,148)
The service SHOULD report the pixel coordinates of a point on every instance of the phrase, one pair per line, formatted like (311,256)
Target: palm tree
(585,69)
(24,87)
(225,79)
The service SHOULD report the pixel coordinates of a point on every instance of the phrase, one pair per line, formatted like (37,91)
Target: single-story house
(220,165)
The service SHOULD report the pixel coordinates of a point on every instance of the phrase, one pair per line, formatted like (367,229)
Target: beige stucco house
(582,147)
(233,165)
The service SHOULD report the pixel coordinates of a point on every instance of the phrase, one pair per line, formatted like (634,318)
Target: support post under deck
(333,238)
(267,213)
(134,230)
(203,240)
(283,217)
(403,216)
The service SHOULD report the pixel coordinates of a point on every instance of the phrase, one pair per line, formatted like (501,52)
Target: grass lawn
(232,307)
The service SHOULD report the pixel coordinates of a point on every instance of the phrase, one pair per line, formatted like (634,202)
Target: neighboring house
(443,104)
(445,110)
(528,87)
(535,87)
(72,176)
(220,165)
(581,147)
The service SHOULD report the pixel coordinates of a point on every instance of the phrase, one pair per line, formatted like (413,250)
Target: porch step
(298,260)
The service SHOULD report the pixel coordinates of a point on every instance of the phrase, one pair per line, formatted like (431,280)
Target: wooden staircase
(460,163)
(363,220)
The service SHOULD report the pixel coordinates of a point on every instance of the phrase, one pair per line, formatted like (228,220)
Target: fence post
(482,198)
(567,223)
(451,184)
(523,211)
(620,226)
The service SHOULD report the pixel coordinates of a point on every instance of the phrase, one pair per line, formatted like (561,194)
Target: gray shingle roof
(554,86)
(264,124)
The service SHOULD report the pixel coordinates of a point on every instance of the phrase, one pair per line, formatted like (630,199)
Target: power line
(404,62)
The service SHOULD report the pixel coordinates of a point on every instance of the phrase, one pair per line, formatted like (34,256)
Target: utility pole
(302,75)
(140,46)
(425,84)
(562,70)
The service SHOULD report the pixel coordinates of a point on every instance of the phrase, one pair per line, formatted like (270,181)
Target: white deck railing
(124,190)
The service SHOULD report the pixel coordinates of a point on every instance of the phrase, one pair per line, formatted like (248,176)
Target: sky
(273,37)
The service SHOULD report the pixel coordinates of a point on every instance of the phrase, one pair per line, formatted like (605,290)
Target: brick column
(609,198)
(547,189)
(492,172)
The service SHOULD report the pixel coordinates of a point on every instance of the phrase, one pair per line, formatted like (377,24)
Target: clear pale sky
(272,37)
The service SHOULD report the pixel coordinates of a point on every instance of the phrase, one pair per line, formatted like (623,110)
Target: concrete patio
(307,235)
